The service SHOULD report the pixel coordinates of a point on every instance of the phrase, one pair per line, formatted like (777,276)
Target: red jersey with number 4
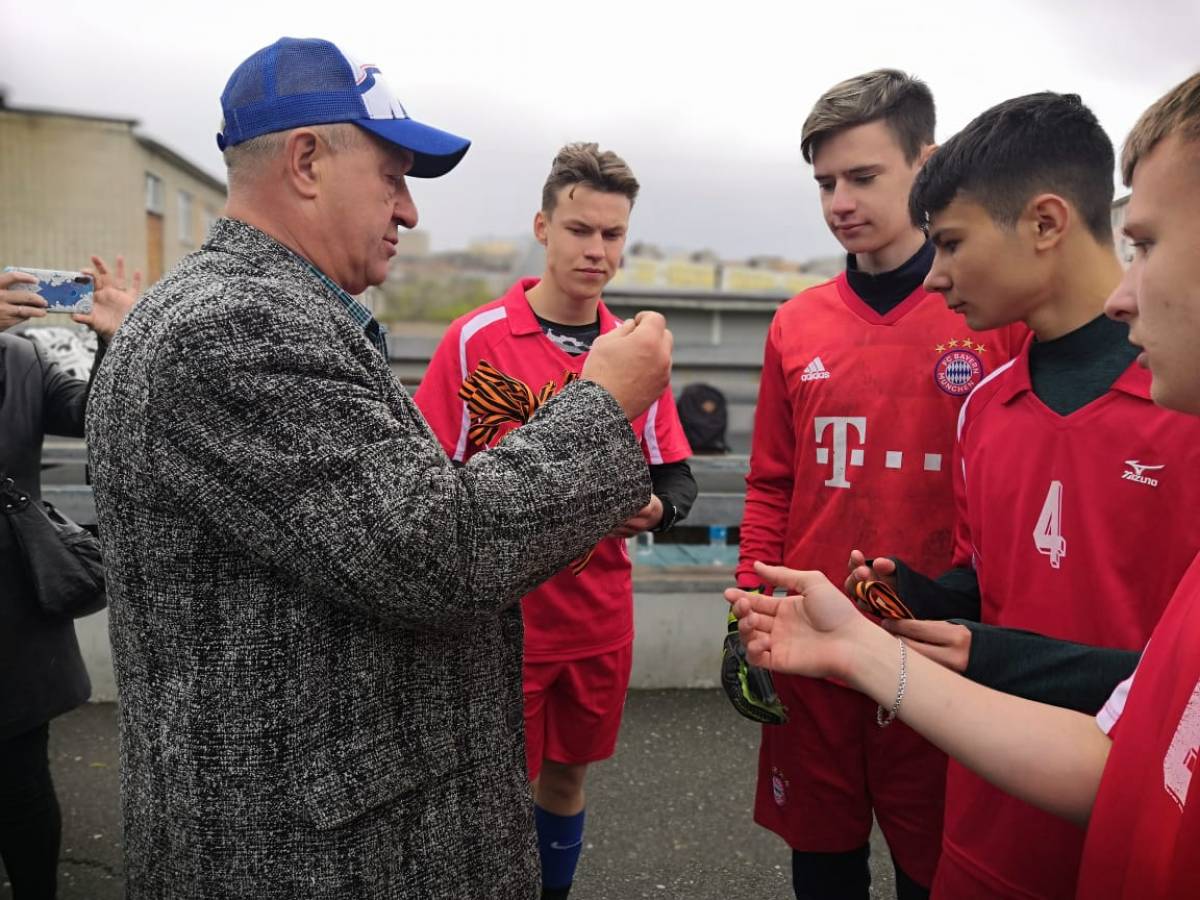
(1079,527)
(1143,839)
(853,436)
(512,368)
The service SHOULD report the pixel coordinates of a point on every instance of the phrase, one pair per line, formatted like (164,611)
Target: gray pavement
(668,816)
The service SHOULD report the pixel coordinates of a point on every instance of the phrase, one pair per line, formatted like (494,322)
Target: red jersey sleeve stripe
(469,329)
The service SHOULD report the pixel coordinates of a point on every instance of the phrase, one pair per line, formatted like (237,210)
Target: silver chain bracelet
(882,719)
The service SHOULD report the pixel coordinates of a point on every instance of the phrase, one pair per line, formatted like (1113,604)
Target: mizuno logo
(1137,472)
(815,371)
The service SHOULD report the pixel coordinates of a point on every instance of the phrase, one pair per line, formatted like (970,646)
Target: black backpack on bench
(704,415)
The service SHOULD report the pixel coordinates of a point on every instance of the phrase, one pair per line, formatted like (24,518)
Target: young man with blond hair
(1125,774)
(862,381)
(493,368)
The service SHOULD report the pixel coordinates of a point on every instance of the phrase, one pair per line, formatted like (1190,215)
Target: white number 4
(1047,534)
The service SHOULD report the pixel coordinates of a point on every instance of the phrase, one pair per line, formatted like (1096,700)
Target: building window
(154,194)
(185,218)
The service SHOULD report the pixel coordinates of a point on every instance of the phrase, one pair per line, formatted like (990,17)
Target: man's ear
(1048,216)
(541,224)
(304,155)
(926,152)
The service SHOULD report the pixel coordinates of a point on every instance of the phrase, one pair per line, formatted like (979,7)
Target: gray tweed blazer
(313,615)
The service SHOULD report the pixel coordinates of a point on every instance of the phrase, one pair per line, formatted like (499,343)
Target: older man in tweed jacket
(312,610)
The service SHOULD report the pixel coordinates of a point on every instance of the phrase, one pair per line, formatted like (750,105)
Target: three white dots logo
(842,425)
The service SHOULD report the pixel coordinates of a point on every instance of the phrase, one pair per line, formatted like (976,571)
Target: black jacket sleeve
(954,594)
(1048,670)
(1022,663)
(64,397)
(675,486)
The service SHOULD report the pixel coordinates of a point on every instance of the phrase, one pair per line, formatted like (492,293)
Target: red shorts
(573,708)
(822,775)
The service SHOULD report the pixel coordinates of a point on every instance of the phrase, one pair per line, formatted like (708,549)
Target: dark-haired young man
(493,368)
(1072,486)
(862,380)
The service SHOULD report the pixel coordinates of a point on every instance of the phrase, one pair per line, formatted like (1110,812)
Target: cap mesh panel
(247,84)
(315,68)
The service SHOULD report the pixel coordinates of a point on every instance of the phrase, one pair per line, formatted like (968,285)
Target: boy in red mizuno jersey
(862,381)
(492,370)
(1072,485)
(1128,774)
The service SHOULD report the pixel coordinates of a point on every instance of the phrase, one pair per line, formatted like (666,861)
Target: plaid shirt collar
(376,333)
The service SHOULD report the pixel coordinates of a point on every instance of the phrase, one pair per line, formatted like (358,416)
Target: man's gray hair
(245,158)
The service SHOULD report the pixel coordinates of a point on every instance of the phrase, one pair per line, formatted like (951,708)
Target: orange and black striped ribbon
(882,600)
(495,400)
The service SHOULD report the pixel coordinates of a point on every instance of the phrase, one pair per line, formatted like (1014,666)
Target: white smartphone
(63,291)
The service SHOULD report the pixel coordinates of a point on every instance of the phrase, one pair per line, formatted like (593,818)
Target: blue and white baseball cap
(296,82)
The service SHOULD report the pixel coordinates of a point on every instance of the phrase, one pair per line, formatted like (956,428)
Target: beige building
(75,184)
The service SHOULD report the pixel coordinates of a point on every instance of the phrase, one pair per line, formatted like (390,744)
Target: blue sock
(560,838)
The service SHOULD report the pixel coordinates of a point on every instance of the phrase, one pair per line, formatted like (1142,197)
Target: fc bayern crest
(958,371)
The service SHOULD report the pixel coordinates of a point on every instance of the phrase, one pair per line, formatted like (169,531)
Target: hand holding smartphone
(63,291)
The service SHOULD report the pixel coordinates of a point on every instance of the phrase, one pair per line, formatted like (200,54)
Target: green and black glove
(749,688)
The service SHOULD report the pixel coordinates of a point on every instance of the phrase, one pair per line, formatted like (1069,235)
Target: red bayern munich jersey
(854,430)
(1143,839)
(853,436)
(571,616)
(1079,527)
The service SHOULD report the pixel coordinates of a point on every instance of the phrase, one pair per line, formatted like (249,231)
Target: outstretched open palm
(807,632)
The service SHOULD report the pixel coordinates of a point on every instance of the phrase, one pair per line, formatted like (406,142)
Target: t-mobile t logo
(841,427)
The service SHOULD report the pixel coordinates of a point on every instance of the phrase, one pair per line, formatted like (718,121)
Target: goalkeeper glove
(749,688)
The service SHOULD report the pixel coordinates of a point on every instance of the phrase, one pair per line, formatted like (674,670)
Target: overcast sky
(705,100)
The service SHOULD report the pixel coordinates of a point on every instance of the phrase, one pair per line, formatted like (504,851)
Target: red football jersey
(853,436)
(1079,527)
(1143,839)
(513,367)
(854,430)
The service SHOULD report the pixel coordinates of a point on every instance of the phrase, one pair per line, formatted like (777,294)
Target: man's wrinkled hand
(632,362)
(946,643)
(18,305)
(643,520)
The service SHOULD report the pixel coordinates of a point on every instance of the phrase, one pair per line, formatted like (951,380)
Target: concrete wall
(678,635)
(677,643)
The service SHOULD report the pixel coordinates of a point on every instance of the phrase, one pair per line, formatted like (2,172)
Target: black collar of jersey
(886,290)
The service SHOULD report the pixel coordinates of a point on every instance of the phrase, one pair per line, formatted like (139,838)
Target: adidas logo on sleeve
(815,371)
